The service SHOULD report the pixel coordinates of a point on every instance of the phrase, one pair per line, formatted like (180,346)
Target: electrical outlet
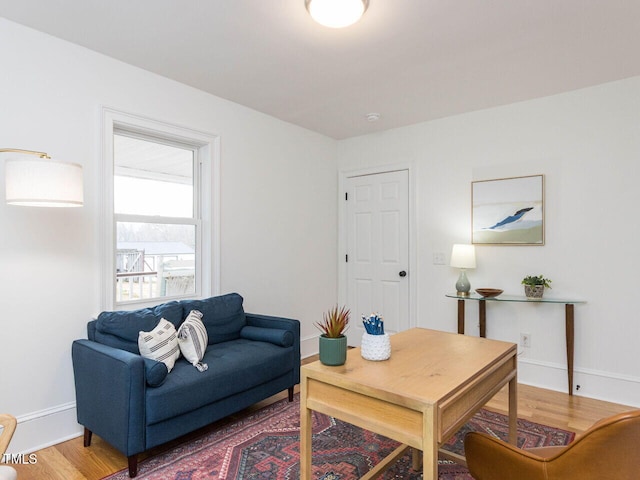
(439,258)
(525,340)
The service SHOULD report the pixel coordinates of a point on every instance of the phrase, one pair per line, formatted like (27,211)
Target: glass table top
(514,298)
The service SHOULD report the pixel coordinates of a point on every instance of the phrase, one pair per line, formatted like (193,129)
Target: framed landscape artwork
(508,211)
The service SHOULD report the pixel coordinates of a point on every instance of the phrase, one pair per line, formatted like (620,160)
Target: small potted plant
(534,285)
(333,342)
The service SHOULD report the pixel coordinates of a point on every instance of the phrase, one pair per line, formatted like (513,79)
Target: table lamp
(463,257)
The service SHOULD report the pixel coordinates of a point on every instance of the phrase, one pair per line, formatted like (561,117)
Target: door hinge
(346,258)
(346,195)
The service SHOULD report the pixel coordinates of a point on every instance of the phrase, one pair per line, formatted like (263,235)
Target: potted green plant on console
(333,342)
(534,285)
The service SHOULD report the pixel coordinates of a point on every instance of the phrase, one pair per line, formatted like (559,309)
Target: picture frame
(508,211)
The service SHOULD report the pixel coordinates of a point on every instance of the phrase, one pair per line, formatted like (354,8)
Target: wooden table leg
(429,445)
(461,317)
(416,460)
(570,336)
(513,410)
(482,313)
(306,426)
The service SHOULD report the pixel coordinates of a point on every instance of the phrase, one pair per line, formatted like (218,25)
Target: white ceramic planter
(375,347)
(534,291)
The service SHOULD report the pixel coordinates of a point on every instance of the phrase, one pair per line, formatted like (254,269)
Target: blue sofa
(134,404)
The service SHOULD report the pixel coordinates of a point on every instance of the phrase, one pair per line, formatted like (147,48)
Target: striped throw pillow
(193,339)
(160,344)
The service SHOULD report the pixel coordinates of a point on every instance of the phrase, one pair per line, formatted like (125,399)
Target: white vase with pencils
(375,347)
(376,344)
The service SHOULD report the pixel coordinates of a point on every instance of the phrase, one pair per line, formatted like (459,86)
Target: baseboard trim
(596,384)
(309,346)
(44,428)
(46,412)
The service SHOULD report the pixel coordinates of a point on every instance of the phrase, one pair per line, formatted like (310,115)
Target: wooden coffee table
(432,384)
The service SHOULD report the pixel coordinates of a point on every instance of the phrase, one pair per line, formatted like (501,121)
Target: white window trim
(208,154)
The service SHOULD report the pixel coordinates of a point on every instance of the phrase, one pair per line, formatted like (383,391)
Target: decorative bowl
(489,292)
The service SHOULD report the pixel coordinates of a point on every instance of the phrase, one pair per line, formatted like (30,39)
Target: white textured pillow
(160,344)
(193,339)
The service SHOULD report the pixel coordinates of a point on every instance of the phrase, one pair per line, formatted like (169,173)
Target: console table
(482,312)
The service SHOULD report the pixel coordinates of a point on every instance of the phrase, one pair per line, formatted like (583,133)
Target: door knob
(403,273)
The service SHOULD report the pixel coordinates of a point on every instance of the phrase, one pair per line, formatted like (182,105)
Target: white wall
(278,214)
(279,217)
(587,144)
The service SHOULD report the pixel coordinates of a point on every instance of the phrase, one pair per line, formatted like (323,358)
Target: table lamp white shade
(43,182)
(463,257)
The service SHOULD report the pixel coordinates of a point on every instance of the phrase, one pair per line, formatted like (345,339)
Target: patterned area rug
(264,445)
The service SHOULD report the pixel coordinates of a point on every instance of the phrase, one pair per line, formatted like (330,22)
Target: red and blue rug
(265,445)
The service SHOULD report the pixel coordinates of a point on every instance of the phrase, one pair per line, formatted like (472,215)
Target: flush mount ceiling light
(336,13)
(42,182)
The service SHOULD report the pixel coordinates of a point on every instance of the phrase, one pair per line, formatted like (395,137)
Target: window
(159,203)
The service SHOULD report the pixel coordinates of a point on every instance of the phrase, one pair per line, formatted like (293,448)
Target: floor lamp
(42,181)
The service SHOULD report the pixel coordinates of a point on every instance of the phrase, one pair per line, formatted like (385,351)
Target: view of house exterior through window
(156,219)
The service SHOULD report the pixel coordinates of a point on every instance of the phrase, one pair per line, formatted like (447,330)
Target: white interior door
(378,249)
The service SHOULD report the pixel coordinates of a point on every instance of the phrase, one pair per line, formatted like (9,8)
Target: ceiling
(409,60)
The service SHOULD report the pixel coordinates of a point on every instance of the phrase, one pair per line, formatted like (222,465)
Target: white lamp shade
(336,13)
(43,183)
(463,256)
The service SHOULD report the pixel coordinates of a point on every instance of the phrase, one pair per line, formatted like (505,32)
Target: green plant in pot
(333,342)
(534,285)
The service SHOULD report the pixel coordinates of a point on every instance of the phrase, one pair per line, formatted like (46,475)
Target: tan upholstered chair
(608,450)
(8,423)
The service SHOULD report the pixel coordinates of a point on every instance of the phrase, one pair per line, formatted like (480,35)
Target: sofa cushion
(155,372)
(223,316)
(193,340)
(116,342)
(282,338)
(120,329)
(160,344)
(234,367)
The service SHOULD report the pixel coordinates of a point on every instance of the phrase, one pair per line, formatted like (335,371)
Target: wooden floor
(71,461)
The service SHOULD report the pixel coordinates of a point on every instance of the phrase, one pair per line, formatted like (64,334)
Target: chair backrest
(8,423)
(608,450)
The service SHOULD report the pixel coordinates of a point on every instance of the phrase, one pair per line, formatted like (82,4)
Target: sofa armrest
(267,321)
(110,394)
(276,336)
